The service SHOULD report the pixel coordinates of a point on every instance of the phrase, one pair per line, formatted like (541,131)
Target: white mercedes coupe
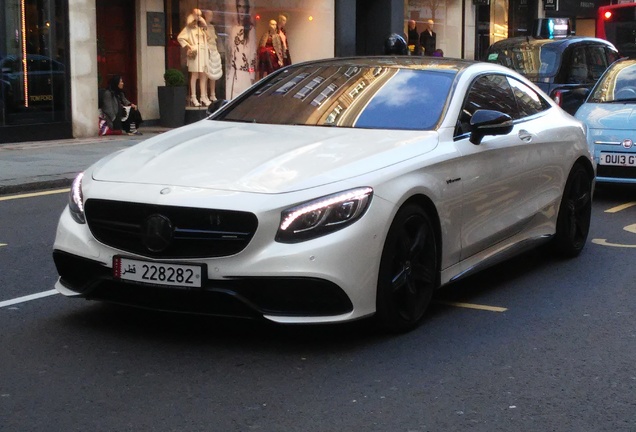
(331,191)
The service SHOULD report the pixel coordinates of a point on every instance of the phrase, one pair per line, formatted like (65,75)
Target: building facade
(56,54)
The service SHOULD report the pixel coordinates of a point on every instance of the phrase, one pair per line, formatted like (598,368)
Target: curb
(35,186)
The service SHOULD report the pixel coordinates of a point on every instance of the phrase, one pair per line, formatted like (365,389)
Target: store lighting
(24,54)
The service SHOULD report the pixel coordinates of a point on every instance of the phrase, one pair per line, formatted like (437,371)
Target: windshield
(380,97)
(618,84)
(533,60)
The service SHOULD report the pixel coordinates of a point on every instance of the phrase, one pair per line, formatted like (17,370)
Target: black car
(566,68)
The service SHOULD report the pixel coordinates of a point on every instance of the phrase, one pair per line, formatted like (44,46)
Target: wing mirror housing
(214,106)
(488,122)
(580,94)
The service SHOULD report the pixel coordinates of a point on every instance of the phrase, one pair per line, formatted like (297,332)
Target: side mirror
(488,122)
(580,93)
(215,106)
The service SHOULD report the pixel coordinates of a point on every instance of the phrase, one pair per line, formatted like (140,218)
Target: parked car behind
(610,114)
(566,69)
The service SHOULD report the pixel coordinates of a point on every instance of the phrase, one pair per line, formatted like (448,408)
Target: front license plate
(618,159)
(157,273)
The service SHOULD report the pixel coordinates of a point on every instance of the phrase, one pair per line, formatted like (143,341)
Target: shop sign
(156,28)
(551,5)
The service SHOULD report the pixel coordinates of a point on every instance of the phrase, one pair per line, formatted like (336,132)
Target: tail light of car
(558,97)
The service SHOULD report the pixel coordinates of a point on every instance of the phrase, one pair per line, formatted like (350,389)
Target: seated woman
(118,113)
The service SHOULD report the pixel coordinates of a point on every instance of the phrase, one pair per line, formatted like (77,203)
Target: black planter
(172,101)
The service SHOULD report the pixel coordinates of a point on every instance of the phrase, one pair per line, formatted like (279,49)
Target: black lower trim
(617,172)
(237,297)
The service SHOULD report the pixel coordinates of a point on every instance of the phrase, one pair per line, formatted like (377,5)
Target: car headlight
(76,200)
(323,215)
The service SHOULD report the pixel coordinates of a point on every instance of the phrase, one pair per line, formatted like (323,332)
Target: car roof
(561,43)
(413,62)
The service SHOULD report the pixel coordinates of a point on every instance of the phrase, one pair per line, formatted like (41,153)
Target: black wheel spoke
(418,241)
(412,302)
(399,281)
(425,273)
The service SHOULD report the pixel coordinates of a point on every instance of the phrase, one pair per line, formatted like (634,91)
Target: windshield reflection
(618,84)
(381,97)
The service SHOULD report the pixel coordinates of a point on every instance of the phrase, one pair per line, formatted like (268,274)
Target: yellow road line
(631,228)
(2,244)
(34,194)
(621,207)
(604,242)
(474,306)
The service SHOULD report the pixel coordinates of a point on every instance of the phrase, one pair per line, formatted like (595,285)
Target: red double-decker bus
(617,24)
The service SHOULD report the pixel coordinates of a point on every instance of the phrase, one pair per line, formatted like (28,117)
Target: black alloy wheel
(408,270)
(573,223)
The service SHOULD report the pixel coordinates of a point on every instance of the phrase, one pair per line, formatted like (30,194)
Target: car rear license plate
(618,159)
(157,273)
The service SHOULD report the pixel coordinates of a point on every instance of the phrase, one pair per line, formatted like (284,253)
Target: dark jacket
(413,39)
(428,42)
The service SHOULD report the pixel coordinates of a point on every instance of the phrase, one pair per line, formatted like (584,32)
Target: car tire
(408,272)
(573,222)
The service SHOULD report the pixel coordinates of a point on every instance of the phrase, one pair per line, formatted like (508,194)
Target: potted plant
(172,99)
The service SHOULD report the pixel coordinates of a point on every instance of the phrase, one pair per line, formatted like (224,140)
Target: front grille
(616,171)
(190,232)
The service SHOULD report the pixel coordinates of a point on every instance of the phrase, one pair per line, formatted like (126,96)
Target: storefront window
(498,20)
(224,46)
(425,26)
(33,58)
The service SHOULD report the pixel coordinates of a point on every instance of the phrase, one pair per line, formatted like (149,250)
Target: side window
(612,55)
(529,102)
(596,61)
(577,70)
(491,92)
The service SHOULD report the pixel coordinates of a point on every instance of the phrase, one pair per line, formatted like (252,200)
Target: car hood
(617,116)
(260,158)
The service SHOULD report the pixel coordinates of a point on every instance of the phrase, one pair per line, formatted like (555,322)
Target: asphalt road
(535,344)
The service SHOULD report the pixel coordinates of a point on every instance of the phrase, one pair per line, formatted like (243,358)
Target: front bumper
(238,297)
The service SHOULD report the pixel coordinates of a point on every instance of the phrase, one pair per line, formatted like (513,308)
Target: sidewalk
(38,165)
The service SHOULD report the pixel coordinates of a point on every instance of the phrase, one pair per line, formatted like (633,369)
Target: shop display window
(33,88)
(430,17)
(225,46)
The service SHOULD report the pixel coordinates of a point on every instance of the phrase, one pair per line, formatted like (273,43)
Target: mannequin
(282,32)
(214,68)
(241,51)
(195,38)
(270,51)
(427,39)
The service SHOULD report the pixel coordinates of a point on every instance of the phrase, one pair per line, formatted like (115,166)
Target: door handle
(525,136)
